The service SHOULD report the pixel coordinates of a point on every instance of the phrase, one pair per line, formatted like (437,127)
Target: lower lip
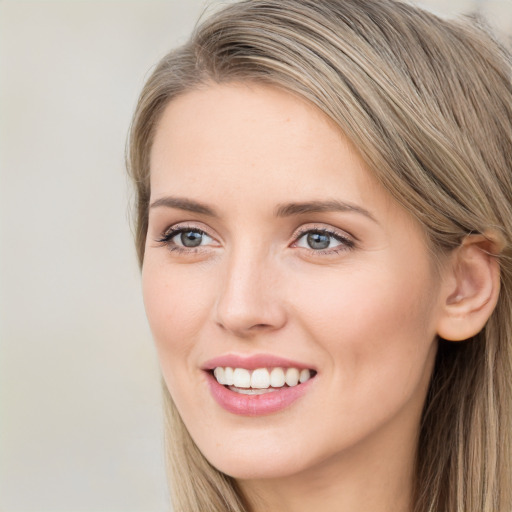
(255,405)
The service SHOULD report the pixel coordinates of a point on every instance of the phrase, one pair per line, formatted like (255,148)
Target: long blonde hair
(428,103)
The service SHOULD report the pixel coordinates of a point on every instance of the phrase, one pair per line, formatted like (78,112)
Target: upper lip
(253,362)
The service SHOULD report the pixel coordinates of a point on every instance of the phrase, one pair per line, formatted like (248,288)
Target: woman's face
(271,247)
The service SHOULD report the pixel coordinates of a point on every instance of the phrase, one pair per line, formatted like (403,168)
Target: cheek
(375,324)
(376,331)
(175,304)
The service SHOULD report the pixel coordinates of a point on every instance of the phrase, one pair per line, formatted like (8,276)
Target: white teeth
(304,375)
(261,378)
(277,379)
(292,376)
(220,375)
(241,378)
(228,376)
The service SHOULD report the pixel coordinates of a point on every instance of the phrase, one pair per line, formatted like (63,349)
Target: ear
(471,288)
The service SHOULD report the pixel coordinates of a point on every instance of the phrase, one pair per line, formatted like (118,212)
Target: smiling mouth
(260,380)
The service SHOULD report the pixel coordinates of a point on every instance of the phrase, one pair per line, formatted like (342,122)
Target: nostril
(261,326)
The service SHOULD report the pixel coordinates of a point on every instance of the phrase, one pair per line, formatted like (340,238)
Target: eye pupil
(318,240)
(191,238)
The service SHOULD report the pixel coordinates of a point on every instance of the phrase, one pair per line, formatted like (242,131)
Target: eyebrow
(283,210)
(334,205)
(182,203)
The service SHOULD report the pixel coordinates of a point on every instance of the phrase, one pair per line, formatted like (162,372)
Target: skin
(363,314)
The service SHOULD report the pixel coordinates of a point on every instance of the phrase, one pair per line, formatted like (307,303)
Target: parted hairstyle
(428,104)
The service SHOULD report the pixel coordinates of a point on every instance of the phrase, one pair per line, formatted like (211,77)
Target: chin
(252,458)
(265,467)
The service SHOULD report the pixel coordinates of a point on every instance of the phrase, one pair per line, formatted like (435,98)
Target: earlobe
(472,284)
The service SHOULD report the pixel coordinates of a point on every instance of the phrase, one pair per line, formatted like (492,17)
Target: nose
(251,296)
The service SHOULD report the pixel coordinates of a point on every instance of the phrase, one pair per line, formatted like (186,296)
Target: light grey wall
(80,422)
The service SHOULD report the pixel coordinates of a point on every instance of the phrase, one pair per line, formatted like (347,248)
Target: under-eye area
(260,380)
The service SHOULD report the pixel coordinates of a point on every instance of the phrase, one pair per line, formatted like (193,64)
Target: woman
(323,225)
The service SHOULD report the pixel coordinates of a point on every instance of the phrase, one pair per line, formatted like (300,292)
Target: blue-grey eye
(318,240)
(183,238)
(191,238)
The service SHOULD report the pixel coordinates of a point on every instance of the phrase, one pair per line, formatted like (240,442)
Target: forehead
(241,140)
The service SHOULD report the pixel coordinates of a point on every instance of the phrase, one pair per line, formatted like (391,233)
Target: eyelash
(346,243)
(170,233)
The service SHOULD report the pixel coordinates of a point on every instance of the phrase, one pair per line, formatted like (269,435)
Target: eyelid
(190,225)
(324,228)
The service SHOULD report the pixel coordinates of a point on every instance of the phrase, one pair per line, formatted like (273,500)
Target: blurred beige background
(80,421)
